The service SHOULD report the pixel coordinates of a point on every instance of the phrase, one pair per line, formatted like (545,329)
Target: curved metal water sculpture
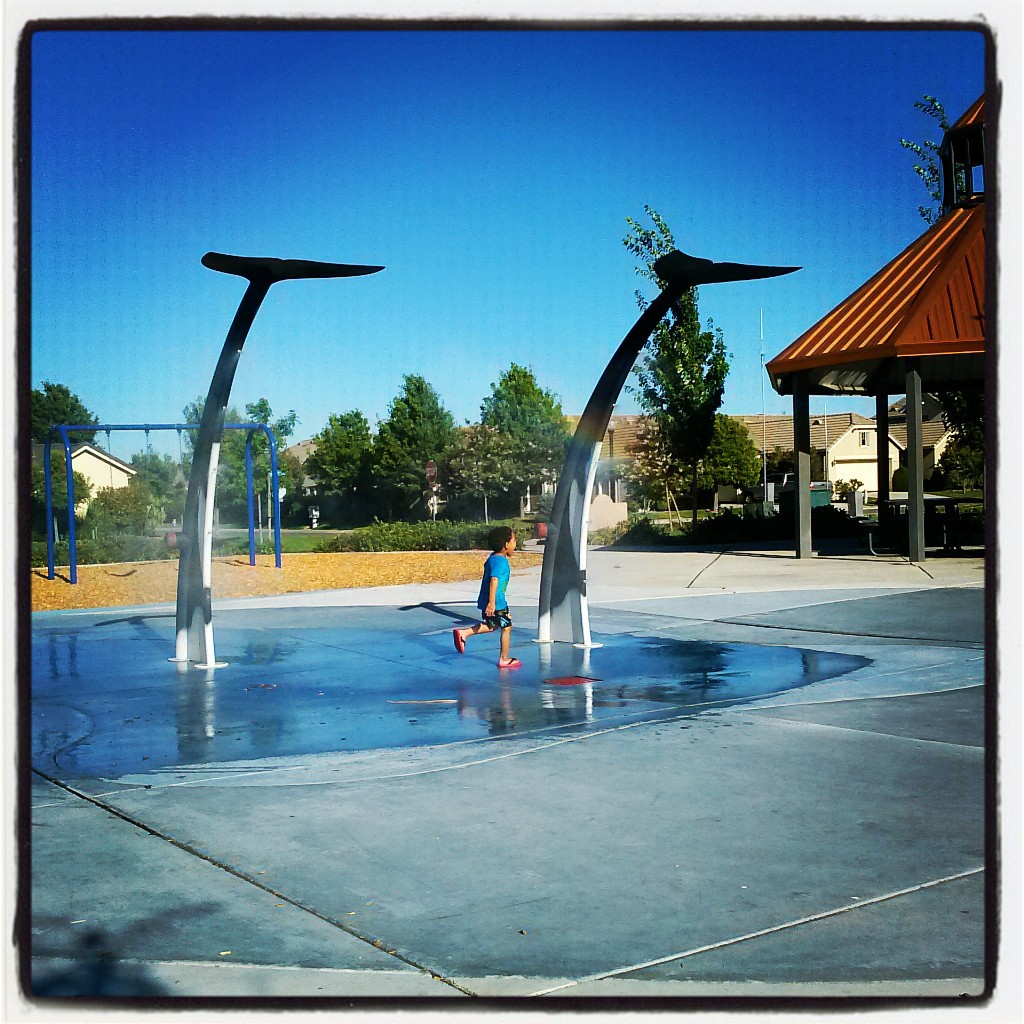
(193,640)
(562,610)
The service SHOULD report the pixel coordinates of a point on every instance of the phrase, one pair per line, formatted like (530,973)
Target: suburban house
(935,435)
(302,450)
(100,468)
(618,447)
(845,441)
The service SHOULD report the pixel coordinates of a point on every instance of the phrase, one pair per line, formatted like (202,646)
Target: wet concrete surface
(941,614)
(106,702)
(577,827)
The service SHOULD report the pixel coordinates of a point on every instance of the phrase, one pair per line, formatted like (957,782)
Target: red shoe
(511,663)
(460,643)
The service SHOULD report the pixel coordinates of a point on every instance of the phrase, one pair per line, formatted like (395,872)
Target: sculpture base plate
(583,647)
(197,664)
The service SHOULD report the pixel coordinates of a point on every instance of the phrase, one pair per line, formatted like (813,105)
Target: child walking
(492,602)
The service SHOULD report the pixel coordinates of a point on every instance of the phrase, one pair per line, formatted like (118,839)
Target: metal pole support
(194,614)
(562,609)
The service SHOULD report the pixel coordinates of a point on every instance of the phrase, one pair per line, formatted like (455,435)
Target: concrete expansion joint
(277,894)
(785,926)
(915,741)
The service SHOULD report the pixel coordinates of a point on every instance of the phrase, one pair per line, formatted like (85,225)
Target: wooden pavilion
(917,325)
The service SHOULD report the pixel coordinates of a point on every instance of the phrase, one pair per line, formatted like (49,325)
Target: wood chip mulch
(140,583)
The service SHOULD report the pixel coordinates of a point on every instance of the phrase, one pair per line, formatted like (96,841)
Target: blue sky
(491,172)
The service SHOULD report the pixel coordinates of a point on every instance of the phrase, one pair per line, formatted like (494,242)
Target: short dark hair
(500,536)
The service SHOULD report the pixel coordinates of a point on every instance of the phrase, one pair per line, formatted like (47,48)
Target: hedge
(433,536)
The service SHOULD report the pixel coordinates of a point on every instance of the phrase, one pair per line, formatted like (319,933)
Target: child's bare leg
(480,627)
(506,641)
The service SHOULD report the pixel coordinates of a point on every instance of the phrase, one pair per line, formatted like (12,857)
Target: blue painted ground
(106,701)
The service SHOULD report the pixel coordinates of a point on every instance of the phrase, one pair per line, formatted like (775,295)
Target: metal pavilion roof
(929,301)
(974,114)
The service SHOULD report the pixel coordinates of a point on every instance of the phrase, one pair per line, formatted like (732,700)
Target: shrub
(842,488)
(240,546)
(544,504)
(644,533)
(103,549)
(609,534)
(729,527)
(430,536)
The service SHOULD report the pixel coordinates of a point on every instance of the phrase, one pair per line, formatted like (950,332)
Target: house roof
(301,449)
(779,429)
(38,451)
(931,409)
(103,456)
(620,439)
(932,432)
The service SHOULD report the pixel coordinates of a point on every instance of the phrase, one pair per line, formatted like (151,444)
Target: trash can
(821,494)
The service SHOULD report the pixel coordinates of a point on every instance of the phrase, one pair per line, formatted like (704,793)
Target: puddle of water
(104,709)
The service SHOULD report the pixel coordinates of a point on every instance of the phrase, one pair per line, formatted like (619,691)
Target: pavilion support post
(802,456)
(882,456)
(915,463)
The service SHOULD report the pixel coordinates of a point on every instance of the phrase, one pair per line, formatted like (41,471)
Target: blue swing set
(63,430)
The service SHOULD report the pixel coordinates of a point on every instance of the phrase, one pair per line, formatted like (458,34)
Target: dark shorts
(501,619)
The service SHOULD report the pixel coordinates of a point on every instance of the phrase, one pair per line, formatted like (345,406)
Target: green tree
(927,152)
(294,505)
(963,464)
(483,464)
(681,372)
(131,509)
(282,428)
(781,460)
(58,483)
(418,428)
(963,461)
(342,449)
(341,465)
(731,457)
(531,418)
(654,475)
(231,483)
(56,404)
(165,480)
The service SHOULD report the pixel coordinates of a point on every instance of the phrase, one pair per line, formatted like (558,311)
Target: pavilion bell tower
(962,156)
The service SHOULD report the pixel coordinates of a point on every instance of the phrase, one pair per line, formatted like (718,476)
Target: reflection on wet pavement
(106,701)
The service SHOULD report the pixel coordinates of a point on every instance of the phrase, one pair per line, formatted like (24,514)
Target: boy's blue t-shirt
(497,567)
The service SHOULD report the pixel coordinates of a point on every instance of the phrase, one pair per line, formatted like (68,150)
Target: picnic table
(942,523)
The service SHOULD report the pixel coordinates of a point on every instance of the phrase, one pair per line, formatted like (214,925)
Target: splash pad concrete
(680,825)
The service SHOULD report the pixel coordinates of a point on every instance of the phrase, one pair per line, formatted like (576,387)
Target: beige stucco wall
(604,513)
(848,459)
(98,471)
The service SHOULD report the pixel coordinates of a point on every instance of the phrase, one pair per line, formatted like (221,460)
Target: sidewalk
(736,794)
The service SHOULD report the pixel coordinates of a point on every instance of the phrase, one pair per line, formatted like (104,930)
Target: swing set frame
(63,430)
